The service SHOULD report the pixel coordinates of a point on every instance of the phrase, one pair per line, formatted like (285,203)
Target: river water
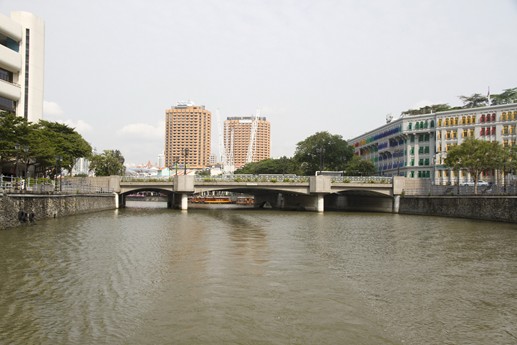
(219,276)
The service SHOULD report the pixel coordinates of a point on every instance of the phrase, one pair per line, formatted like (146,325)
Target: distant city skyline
(113,68)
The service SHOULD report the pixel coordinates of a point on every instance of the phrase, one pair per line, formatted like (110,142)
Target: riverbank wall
(17,209)
(491,208)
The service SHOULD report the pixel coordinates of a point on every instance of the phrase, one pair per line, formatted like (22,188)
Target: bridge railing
(270,178)
(147,179)
(290,178)
(363,179)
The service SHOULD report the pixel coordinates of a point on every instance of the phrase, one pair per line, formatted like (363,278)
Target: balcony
(10,60)
(9,90)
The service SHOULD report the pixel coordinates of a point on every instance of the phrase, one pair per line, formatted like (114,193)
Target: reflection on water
(159,276)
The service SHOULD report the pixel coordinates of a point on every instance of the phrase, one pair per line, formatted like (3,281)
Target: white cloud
(143,131)
(80,126)
(52,108)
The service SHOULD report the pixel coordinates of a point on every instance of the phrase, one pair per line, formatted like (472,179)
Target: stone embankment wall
(16,209)
(493,208)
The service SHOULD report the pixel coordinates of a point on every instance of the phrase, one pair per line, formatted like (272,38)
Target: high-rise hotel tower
(22,51)
(187,135)
(247,139)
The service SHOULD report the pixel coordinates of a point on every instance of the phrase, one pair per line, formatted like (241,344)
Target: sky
(112,67)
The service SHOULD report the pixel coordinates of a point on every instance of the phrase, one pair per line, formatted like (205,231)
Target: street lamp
(58,166)
(17,148)
(26,151)
(185,150)
(176,161)
(321,151)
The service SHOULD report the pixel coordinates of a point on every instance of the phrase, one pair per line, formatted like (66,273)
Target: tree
(110,162)
(360,167)
(475,156)
(39,144)
(60,141)
(505,97)
(427,109)
(52,144)
(13,131)
(281,165)
(476,100)
(322,151)
(509,160)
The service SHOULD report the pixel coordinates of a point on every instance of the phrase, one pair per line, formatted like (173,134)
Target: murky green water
(158,276)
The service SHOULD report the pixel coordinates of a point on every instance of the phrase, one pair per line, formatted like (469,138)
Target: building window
(10,43)
(6,75)
(7,104)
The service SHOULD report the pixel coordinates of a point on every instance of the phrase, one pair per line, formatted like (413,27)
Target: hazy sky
(114,66)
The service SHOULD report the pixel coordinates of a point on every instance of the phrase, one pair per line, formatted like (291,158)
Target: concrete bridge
(313,193)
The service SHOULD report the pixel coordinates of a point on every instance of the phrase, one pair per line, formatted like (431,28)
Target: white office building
(22,52)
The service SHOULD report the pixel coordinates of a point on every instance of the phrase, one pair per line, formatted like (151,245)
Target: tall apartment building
(187,135)
(416,146)
(22,51)
(238,135)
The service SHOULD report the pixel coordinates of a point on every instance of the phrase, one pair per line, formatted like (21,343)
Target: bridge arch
(360,201)
(122,195)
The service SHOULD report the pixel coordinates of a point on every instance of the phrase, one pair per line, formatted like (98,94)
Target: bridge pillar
(184,201)
(319,186)
(170,200)
(280,201)
(120,200)
(321,203)
(396,203)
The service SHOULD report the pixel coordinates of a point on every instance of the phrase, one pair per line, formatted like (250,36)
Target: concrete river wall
(492,208)
(16,209)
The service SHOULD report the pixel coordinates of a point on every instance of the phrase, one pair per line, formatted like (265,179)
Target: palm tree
(474,101)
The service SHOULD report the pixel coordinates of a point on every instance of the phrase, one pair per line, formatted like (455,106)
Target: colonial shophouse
(416,146)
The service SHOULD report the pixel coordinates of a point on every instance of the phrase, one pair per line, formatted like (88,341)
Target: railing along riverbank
(61,185)
(425,187)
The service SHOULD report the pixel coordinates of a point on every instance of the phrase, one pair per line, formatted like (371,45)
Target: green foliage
(475,156)
(360,167)
(505,97)
(428,109)
(473,101)
(39,144)
(108,163)
(322,151)
(13,131)
(205,172)
(509,159)
(52,139)
(281,165)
